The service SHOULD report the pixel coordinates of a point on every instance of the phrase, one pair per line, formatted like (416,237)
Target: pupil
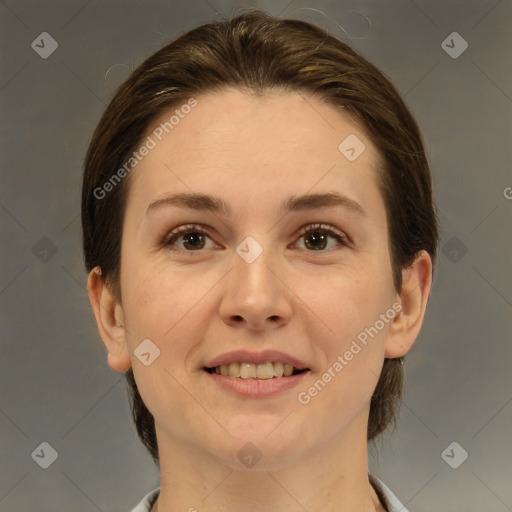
(196,240)
(316,237)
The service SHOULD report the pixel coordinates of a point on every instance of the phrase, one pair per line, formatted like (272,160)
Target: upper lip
(247,356)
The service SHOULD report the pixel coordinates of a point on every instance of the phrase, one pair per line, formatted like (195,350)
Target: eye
(194,238)
(316,236)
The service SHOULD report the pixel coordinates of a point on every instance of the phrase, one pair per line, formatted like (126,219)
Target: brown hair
(259,54)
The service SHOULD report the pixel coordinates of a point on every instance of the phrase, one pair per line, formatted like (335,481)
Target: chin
(261,446)
(252,457)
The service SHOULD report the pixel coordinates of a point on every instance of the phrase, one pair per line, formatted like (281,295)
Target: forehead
(251,150)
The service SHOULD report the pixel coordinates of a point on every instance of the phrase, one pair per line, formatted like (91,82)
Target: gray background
(55,384)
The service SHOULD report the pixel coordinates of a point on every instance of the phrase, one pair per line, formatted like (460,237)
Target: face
(272,277)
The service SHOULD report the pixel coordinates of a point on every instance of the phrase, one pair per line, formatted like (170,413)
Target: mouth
(262,371)
(250,374)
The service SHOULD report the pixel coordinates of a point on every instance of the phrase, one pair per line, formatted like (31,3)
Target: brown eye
(315,240)
(316,237)
(193,241)
(187,238)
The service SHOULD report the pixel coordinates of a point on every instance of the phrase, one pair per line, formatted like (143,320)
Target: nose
(255,295)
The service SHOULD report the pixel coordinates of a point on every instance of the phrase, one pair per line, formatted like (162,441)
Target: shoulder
(391,500)
(147,502)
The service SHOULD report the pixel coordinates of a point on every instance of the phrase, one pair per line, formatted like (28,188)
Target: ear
(413,297)
(110,321)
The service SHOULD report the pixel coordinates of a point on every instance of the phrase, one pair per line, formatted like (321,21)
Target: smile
(263,371)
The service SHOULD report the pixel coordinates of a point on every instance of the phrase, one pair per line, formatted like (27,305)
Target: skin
(255,152)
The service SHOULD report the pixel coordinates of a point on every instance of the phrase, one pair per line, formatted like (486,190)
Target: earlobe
(108,314)
(416,286)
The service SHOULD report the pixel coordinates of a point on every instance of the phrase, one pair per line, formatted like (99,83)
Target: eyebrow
(206,202)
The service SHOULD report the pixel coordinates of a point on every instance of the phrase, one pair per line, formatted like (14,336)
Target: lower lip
(257,387)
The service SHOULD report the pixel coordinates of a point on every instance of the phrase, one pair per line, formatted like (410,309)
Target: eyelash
(171,238)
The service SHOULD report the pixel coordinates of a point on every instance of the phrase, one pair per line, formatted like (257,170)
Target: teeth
(288,370)
(262,371)
(265,371)
(248,371)
(278,369)
(234,370)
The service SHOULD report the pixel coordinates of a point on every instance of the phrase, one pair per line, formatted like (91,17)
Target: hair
(260,54)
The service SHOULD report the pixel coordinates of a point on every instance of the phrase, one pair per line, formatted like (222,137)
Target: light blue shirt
(395,505)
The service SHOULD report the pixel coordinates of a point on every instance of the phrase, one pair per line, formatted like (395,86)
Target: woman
(259,232)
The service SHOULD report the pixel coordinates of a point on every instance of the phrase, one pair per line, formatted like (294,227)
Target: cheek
(168,311)
(352,357)
(157,304)
(349,333)
(173,309)
(344,302)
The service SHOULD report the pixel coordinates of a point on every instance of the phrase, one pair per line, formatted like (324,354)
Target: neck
(333,478)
